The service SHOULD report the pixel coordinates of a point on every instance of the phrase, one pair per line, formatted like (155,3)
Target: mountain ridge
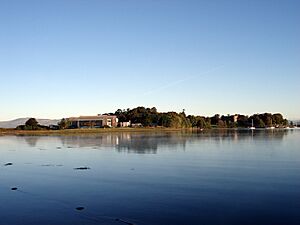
(21,121)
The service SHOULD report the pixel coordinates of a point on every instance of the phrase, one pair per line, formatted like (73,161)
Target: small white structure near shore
(125,124)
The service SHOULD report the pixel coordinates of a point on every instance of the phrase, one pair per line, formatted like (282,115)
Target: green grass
(84,131)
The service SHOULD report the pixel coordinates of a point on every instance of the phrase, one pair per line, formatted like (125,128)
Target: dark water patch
(63,204)
(47,165)
(52,165)
(82,168)
(80,208)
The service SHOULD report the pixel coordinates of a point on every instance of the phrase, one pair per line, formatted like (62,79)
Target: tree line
(32,124)
(150,117)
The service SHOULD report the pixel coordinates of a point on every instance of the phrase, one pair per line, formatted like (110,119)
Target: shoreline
(8,131)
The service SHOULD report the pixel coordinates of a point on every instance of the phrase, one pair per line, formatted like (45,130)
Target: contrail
(180,81)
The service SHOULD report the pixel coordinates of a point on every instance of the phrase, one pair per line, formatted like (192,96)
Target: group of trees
(150,117)
(63,124)
(32,124)
(269,120)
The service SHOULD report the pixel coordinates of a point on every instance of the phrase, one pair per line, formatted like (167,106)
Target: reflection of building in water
(105,140)
(153,142)
(129,142)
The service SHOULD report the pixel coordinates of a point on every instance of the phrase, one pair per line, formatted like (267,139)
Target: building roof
(99,117)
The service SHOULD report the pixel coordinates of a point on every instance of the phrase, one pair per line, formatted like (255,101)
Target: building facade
(94,121)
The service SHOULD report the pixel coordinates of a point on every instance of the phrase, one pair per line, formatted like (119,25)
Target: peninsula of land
(149,119)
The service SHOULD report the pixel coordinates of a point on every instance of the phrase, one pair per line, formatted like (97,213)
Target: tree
(193,120)
(268,121)
(201,122)
(153,110)
(31,124)
(221,124)
(243,121)
(64,123)
(118,112)
(165,120)
(277,119)
(207,122)
(215,119)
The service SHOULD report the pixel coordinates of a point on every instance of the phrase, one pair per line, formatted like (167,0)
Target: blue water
(215,177)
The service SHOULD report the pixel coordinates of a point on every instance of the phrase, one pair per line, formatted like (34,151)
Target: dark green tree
(31,124)
(64,124)
(215,119)
(277,119)
(201,122)
(193,120)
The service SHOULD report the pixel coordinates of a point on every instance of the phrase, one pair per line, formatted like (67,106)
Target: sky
(62,58)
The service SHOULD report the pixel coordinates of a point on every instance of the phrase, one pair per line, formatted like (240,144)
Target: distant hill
(21,121)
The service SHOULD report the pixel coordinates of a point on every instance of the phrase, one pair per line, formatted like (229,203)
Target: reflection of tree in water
(242,134)
(272,134)
(130,142)
(105,140)
(151,142)
(31,140)
(138,145)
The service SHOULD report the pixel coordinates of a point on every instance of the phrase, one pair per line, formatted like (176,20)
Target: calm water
(226,177)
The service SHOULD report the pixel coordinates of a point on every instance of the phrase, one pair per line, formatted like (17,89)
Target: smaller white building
(125,124)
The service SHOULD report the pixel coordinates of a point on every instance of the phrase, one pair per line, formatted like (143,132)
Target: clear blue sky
(64,58)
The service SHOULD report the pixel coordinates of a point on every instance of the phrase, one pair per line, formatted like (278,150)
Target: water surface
(216,177)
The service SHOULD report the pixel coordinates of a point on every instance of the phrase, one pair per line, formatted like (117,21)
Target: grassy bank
(84,131)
